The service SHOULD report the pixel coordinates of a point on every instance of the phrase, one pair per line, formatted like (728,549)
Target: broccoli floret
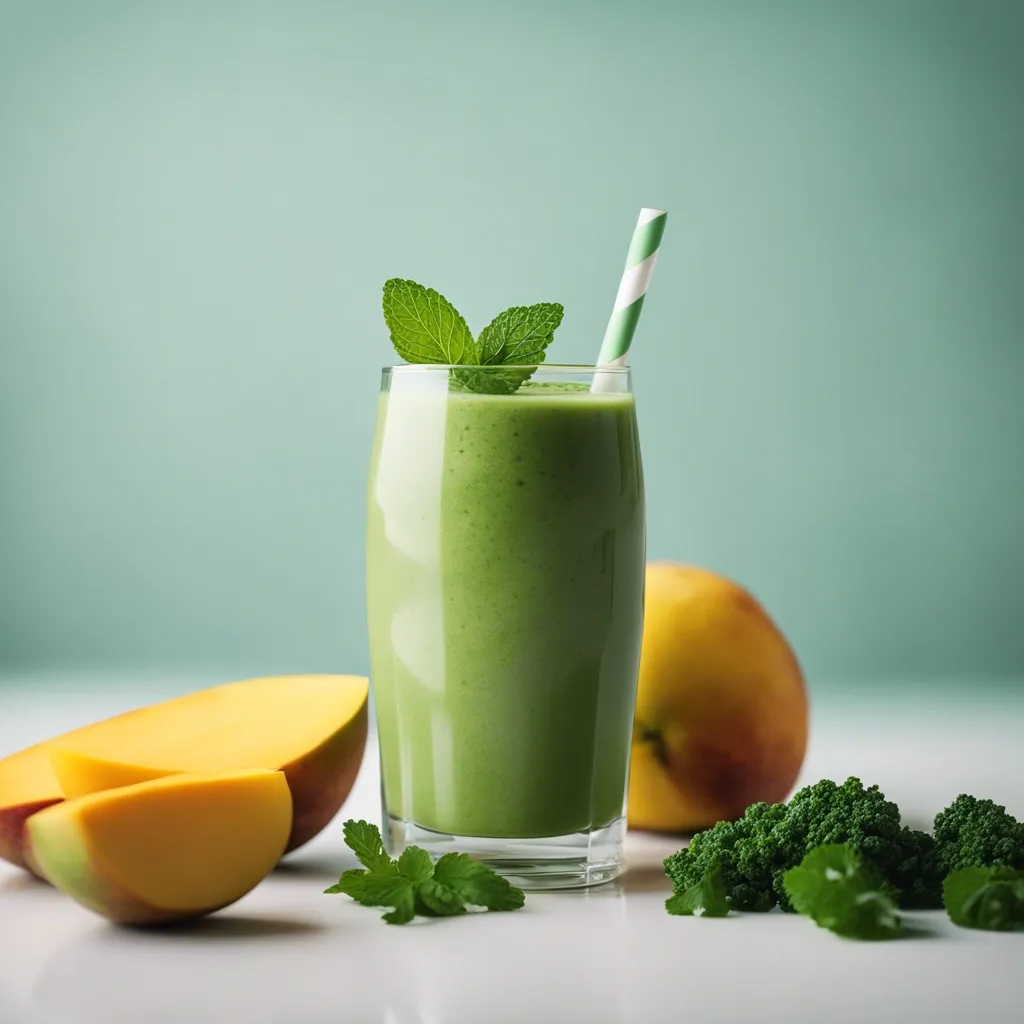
(826,813)
(918,877)
(739,849)
(756,851)
(973,833)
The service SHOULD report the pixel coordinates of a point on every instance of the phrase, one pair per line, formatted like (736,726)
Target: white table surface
(288,955)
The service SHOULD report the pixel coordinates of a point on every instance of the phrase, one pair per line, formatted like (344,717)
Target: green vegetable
(973,833)
(989,898)
(413,884)
(823,814)
(836,889)
(705,899)
(426,328)
(743,853)
(756,851)
(916,877)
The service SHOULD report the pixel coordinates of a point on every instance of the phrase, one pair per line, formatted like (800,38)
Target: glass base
(553,862)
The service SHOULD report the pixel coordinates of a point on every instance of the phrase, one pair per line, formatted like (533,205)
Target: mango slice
(175,848)
(311,727)
(80,774)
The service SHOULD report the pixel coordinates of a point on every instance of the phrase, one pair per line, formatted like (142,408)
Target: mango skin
(320,781)
(14,847)
(722,711)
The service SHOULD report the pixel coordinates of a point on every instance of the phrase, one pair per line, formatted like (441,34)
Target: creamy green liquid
(505,566)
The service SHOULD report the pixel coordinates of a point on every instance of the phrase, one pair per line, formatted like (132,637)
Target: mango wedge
(312,727)
(80,774)
(176,848)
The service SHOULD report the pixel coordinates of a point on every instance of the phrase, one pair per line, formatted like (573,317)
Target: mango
(166,850)
(721,712)
(313,728)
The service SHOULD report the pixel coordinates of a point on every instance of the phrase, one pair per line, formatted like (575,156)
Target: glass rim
(565,368)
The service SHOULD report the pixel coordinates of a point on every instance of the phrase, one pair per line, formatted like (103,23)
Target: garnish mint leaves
(415,885)
(836,890)
(707,898)
(520,335)
(991,899)
(426,328)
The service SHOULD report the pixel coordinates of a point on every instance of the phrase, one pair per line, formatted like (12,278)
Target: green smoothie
(505,568)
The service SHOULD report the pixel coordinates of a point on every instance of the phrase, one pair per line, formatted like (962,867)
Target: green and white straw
(643,255)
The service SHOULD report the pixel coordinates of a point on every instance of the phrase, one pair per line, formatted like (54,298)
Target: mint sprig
(834,888)
(413,884)
(991,899)
(426,328)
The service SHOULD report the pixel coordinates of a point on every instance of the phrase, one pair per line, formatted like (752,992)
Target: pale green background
(200,202)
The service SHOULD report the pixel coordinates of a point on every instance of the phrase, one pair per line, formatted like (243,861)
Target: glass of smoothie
(505,574)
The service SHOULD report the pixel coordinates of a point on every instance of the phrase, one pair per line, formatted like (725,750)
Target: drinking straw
(643,254)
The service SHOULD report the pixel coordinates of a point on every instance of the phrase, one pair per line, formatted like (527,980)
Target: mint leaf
(991,899)
(517,337)
(705,899)
(364,840)
(414,884)
(347,884)
(384,882)
(836,890)
(379,890)
(372,890)
(405,907)
(477,884)
(492,381)
(520,335)
(415,864)
(425,327)
(436,900)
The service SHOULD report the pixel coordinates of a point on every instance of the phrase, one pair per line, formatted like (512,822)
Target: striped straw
(643,254)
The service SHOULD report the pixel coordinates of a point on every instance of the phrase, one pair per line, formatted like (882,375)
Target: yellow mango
(312,727)
(721,709)
(174,848)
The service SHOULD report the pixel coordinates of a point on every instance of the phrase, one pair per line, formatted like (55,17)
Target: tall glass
(505,574)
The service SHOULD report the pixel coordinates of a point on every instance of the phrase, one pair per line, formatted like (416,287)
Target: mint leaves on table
(833,887)
(991,899)
(364,840)
(706,898)
(414,884)
(426,328)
